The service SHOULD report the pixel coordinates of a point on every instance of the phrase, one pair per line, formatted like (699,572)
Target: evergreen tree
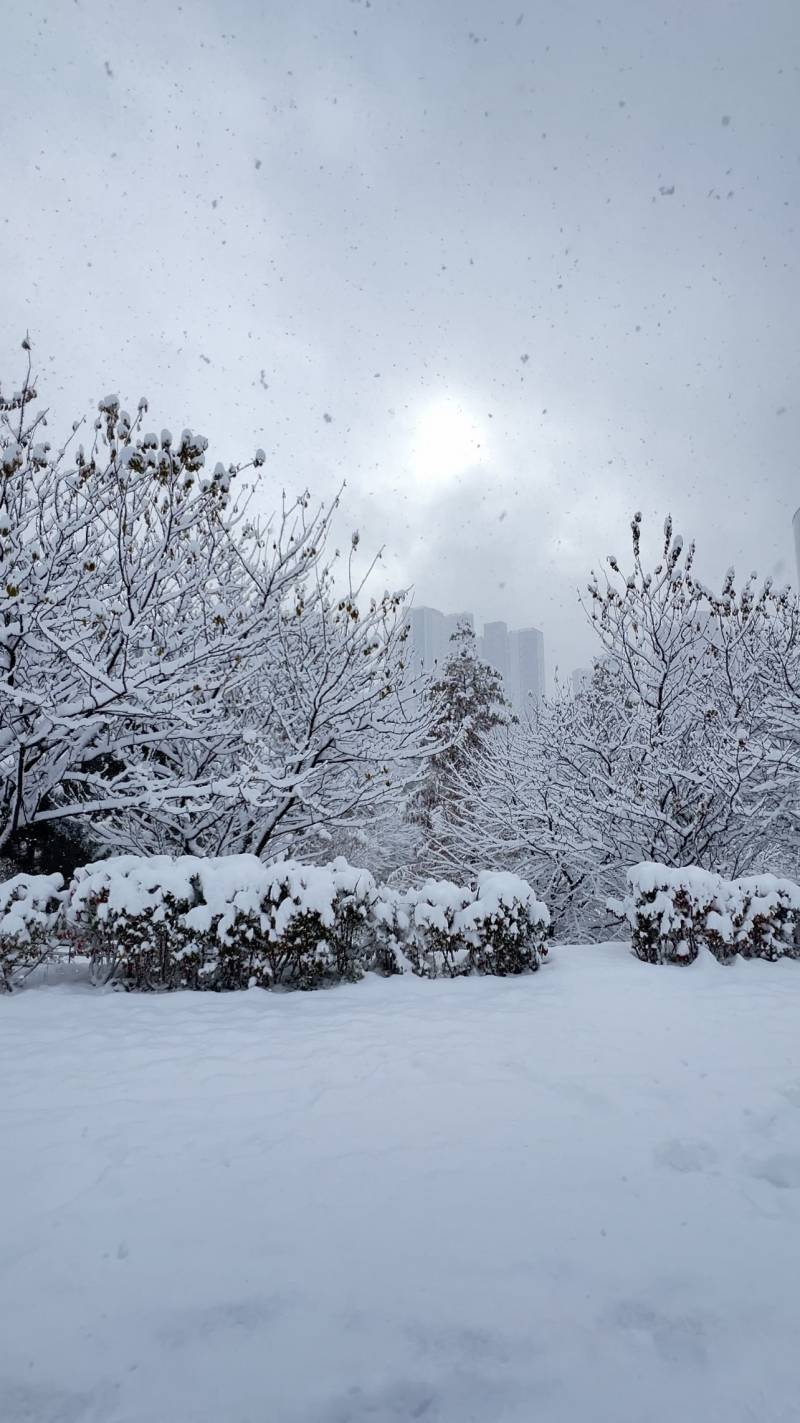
(464,705)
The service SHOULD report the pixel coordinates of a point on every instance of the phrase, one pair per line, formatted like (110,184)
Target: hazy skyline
(512,270)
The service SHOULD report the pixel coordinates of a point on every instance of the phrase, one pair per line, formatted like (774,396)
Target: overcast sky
(514,270)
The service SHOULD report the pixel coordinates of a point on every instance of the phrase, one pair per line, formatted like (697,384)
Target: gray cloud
(383,208)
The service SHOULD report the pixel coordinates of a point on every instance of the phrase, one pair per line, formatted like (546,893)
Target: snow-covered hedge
(436,946)
(126,913)
(162,922)
(313,927)
(221,922)
(767,923)
(673,912)
(497,928)
(390,923)
(29,912)
(505,925)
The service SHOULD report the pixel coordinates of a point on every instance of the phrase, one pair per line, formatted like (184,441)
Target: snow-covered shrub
(445,930)
(221,921)
(217,939)
(390,922)
(315,919)
(673,911)
(767,923)
(436,944)
(667,910)
(128,912)
(504,926)
(355,893)
(29,910)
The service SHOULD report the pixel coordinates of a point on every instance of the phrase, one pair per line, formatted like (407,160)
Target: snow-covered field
(568,1197)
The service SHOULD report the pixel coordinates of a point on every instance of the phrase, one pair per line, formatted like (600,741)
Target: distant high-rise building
(496,650)
(527,681)
(430,634)
(452,622)
(796,526)
(581,678)
(426,637)
(512,681)
(518,656)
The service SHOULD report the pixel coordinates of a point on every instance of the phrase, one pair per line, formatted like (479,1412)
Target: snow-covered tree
(467,700)
(320,742)
(463,706)
(683,748)
(704,775)
(517,804)
(756,636)
(174,671)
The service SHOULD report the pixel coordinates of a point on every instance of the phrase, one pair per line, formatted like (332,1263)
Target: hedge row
(444,931)
(674,912)
(164,922)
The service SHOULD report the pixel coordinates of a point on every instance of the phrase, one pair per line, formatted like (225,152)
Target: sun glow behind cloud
(447,440)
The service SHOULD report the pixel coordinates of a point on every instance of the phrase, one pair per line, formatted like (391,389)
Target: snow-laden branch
(174,669)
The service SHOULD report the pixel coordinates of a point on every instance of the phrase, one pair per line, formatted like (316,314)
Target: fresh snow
(570,1196)
(761,911)
(228,886)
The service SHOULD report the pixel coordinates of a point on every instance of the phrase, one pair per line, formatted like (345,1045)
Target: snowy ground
(568,1198)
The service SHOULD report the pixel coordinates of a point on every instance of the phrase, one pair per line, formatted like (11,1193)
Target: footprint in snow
(781,1171)
(31,1403)
(678,1339)
(400,1401)
(685,1156)
(461,1394)
(250,1315)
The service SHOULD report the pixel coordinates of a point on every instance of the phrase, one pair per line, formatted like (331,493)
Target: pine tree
(465,705)
(467,702)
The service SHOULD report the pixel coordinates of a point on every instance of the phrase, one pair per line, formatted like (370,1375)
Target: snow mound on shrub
(29,903)
(500,892)
(29,910)
(191,921)
(674,911)
(498,927)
